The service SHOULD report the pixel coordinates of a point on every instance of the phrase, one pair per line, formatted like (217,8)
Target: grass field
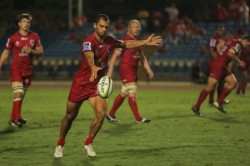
(175,137)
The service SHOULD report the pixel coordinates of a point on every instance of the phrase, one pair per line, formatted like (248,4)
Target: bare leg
(71,114)
(245,75)
(229,85)
(100,107)
(243,82)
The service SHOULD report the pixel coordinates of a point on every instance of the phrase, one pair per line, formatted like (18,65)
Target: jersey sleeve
(87,46)
(235,49)
(10,43)
(212,42)
(37,41)
(117,43)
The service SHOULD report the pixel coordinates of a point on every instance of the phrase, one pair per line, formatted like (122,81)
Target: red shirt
(214,40)
(223,59)
(101,52)
(22,61)
(129,62)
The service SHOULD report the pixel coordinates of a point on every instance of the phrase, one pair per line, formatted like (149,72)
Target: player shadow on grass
(118,129)
(57,162)
(150,151)
(86,162)
(8,130)
(224,119)
(172,116)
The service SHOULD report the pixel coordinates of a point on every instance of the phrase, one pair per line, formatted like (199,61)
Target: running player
(214,50)
(230,51)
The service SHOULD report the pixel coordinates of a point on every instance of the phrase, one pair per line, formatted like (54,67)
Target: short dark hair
(101,17)
(24,15)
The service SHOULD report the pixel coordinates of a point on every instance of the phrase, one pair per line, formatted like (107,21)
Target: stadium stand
(62,54)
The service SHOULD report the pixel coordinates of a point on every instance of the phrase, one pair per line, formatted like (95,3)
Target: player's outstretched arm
(154,40)
(151,40)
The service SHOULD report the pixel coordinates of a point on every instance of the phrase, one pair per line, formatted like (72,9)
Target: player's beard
(101,34)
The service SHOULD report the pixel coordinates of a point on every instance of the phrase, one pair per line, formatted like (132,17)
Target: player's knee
(70,115)
(103,113)
(18,89)
(124,90)
(18,94)
(123,94)
(210,87)
(100,115)
(131,89)
(234,84)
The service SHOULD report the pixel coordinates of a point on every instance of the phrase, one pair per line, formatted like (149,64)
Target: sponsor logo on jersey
(86,46)
(32,42)
(212,42)
(101,46)
(238,47)
(24,38)
(108,49)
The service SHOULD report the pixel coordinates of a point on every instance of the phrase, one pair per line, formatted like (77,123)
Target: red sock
(12,116)
(220,88)
(223,95)
(61,141)
(201,98)
(17,108)
(117,103)
(133,106)
(89,140)
(211,96)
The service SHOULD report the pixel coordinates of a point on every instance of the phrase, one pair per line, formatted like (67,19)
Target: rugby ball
(105,87)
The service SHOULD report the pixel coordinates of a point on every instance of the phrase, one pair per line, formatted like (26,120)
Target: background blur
(186,27)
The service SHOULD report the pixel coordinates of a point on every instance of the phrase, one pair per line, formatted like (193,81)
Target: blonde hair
(131,22)
(24,15)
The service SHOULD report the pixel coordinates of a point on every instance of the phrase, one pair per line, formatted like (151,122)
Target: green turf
(175,137)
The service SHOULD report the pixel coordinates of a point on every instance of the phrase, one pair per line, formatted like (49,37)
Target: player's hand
(94,71)
(150,74)
(26,50)
(154,40)
(109,73)
(242,64)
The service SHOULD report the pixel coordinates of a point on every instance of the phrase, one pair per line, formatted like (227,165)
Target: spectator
(173,12)
(233,11)
(244,13)
(221,13)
